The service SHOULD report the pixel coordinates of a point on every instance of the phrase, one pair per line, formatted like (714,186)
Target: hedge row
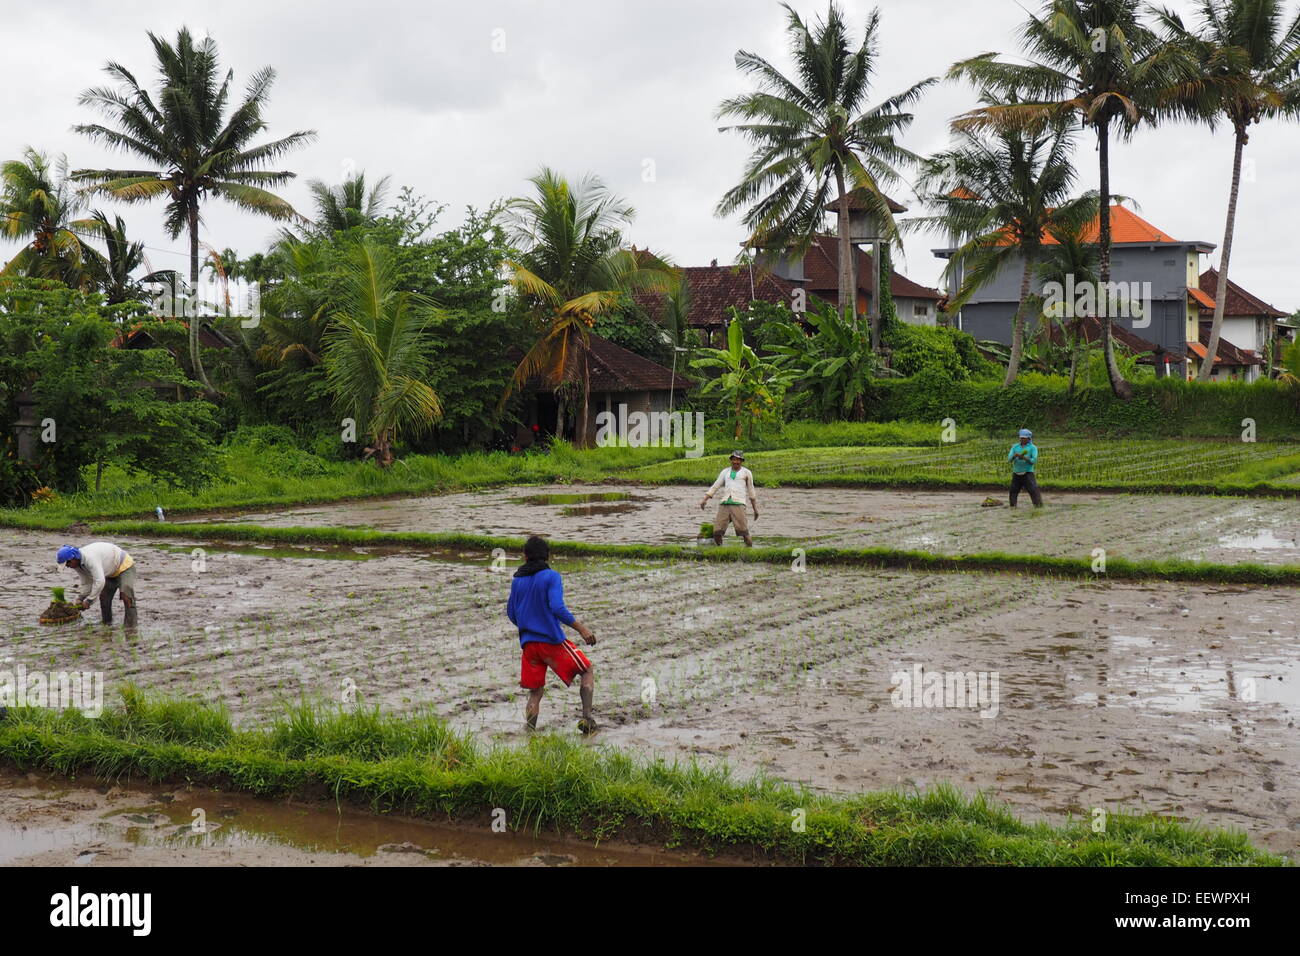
(1166,407)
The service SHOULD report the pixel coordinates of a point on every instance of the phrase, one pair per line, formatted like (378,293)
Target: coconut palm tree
(1068,258)
(114,272)
(813,133)
(1245,67)
(376,356)
(1001,195)
(572,268)
(295,310)
(342,207)
(192,146)
(1095,61)
(38,205)
(223,264)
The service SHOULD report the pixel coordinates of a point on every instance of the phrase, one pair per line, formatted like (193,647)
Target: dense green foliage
(96,404)
(1163,407)
(829,360)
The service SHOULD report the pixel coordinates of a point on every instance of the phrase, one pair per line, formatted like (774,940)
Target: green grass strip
(419,767)
(1116,568)
(1256,489)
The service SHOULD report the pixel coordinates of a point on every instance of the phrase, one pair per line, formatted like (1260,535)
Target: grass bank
(419,767)
(266,475)
(263,479)
(1116,568)
(263,468)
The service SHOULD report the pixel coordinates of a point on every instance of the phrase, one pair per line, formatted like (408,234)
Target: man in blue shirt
(536,607)
(1023,456)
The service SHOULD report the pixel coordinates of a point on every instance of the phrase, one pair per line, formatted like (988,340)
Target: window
(921,309)
(1171,262)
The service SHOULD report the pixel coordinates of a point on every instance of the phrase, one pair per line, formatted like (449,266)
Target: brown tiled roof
(1240,302)
(856,201)
(139,338)
(1228,353)
(821,269)
(614,369)
(714,289)
(1090,329)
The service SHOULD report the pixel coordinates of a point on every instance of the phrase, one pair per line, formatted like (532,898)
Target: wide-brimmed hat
(738,454)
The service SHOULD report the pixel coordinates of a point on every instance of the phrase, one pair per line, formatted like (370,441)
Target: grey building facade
(1143,259)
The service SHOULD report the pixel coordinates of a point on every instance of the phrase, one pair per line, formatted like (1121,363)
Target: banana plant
(753,388)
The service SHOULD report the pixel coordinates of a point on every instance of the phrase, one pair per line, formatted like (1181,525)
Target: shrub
(1163,407)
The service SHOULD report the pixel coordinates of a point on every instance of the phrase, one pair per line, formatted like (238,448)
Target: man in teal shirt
(1023,456)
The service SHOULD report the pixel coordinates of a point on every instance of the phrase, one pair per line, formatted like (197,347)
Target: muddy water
(50,822)
(1228,530)
(1175,698)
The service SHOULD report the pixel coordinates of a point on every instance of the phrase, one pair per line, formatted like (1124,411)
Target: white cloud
(415,90)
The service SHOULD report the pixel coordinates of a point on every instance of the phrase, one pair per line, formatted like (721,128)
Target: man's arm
(555,601)
(749,489)
(92,581)
(510,605)
(713,490)
(1032,454)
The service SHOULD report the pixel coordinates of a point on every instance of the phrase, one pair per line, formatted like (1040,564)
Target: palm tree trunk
(873,306)
(1074,357)
(192,304)
(1221,293)
(383,449)
(848,289)
(1018,325)
(586,401)
(1118,384)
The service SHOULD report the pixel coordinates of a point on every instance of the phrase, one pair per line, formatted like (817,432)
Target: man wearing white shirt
(736,483)
(105,570)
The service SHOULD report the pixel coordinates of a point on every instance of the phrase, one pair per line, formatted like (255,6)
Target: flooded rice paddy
(1180,699)
(1223,530)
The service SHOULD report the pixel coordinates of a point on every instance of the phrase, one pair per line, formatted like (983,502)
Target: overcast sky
(463,101)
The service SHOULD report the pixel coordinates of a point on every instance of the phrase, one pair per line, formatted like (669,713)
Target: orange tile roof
(1125,226)
(1201,298)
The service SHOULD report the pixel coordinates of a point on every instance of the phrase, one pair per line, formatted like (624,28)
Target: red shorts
(565,659)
